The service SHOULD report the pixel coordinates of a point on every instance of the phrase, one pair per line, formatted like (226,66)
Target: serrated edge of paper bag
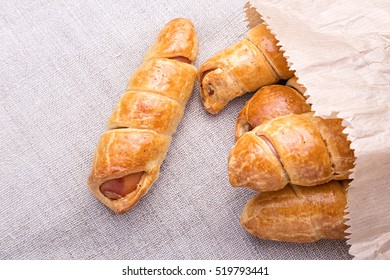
(253,18)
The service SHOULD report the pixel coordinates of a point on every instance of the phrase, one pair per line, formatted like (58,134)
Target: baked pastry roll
(280,146)
(268,103)
(243,67)
(298,214)
(298,149)
(129,154)
(280,141)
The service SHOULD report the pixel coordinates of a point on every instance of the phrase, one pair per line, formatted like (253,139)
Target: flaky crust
(267,103)
(167,77)
(280,141)
(147,111)
(293,82)
(298,214)
(177,38)
(299,146)
(339,147)
(231,73)
(253,164)
(125,151)
(243,67)
(146,116)
(267,43)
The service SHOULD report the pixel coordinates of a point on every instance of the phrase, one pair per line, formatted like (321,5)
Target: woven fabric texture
(63,66)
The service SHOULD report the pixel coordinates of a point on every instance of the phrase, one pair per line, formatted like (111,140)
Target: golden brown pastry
(246,66)
(298,214)
(284,146)
(299,149)
(293,82)
(128,156)
(267,103)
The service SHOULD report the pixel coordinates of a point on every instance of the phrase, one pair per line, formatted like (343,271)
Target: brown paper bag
(340,51)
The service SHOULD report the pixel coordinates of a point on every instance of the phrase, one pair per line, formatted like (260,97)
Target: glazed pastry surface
(243,67)
(267,103)
(299,149)
(298,214)
(280,146)
(129,154)
(280,141)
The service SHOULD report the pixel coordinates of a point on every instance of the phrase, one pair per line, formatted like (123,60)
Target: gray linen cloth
(63,66)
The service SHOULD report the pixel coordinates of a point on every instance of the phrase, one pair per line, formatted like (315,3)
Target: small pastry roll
(243,67)
(298,214)
(267,103)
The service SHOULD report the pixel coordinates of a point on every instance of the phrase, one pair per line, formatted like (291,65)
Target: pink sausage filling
(181,59)
(118,188)
(268,142)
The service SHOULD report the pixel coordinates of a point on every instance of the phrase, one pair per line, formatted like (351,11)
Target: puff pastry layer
(129,154)
(243,67)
